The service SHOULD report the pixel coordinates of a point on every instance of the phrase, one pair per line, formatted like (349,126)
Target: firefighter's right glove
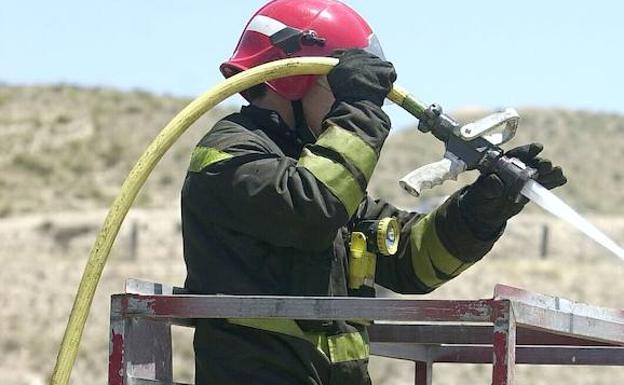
(485,205)
(360,75)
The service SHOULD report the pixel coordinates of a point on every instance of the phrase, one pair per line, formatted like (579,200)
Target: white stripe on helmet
(265,25)
(269,26)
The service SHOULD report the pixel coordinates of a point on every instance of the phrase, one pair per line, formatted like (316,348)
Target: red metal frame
(515,327)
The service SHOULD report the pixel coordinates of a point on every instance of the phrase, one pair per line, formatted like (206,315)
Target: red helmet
(295,28)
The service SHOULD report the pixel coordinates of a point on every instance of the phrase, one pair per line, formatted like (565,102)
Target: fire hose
(473,146)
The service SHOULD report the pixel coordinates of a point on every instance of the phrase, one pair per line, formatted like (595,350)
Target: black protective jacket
(265,213)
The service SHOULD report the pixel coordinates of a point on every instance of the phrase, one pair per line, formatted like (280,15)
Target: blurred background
(85,86)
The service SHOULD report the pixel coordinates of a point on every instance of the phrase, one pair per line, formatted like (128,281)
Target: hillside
(64,152)
(66,148)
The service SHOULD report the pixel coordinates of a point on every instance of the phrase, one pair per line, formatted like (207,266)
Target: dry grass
(41,270)
(66,148)
(64,152)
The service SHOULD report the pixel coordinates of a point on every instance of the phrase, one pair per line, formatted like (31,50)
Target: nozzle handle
(433,174)
(488,127)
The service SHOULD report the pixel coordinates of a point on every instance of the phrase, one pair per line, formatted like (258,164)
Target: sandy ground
(43,258)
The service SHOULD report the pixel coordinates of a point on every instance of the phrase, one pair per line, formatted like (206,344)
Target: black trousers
(227,354)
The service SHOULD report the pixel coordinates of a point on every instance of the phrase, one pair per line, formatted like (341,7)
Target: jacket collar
(272,124)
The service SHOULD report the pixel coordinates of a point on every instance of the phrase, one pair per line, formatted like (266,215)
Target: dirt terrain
(65,151)
(43,258)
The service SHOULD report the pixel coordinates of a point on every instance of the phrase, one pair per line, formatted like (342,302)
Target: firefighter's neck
(272,101)
(316,104)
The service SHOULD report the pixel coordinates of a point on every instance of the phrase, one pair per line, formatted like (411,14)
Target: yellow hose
(146,163)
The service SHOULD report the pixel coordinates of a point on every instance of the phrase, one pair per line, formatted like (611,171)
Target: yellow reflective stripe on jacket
(287,327)
(335,177)
(348,347)
(336,348)
(352,147)
(205,156)
(429,254)
(284,326)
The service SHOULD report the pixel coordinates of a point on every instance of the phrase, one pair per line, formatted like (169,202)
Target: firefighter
(274,191)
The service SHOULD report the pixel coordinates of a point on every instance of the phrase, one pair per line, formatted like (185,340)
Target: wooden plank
(504,346)
(465,334)
(144,381)
(148,352)
(138,347)
(411,352)
(138,286)
(525,355)
(116,347)
(569,323)
(565,317)
(183,322)
(558,303)
(431,333)
(536,355)
(336,308)
(585,334)
(423,373)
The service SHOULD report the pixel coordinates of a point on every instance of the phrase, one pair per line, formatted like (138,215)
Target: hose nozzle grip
(514,174)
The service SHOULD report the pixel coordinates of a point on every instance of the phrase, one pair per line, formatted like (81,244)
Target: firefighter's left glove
(485,205)
(360,75)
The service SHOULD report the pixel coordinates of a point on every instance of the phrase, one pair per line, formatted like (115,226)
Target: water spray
(550,202)
(476,146)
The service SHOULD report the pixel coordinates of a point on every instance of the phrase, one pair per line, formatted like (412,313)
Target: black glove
(486,205)
(360,75)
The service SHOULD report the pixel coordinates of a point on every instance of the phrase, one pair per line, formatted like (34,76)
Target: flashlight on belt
(368,239)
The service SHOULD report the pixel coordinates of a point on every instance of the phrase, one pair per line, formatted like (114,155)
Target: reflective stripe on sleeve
(335,177)
(430,257)
(352,147)
(205,156)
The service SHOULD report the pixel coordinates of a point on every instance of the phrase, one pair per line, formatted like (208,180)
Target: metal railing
(515,327)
